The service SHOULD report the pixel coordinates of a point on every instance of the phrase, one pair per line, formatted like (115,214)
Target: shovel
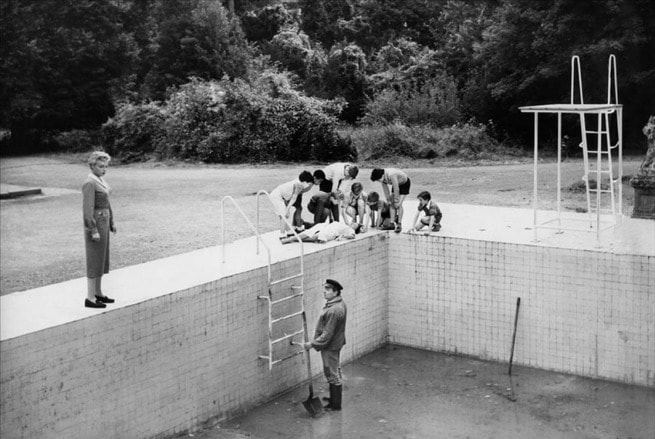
(516,320)
(312,404)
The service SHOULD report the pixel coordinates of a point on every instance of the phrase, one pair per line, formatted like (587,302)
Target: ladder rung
(288,356)
(287,336)
(284,299)
(287,317)
(602,190)
(279,281)
(585,178)
(596,131)
(595,151)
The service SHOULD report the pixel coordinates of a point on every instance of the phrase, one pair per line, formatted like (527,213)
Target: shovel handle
(516,320)
(309,361)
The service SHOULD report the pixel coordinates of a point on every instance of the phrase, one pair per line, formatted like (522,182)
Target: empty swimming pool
(184,342)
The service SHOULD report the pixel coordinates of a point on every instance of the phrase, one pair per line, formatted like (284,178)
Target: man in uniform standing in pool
(329,338)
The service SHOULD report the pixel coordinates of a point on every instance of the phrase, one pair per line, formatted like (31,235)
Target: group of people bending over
(341,208)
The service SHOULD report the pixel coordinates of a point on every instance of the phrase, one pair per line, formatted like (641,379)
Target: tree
(60,60)
(263,25)
(292,50)
(320,19)
(345,76)
(373,23)
(195,39)
(524,58)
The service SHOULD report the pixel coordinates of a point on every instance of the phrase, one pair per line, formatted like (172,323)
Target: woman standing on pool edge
(98,222)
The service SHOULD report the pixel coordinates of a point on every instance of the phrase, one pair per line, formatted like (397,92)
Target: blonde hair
(98,156)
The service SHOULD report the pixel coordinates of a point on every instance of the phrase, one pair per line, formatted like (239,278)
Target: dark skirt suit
(98,217)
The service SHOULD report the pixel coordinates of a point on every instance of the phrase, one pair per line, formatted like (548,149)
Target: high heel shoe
(89,304)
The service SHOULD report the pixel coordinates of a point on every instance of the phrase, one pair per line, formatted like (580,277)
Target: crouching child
(380,212)
(428,214)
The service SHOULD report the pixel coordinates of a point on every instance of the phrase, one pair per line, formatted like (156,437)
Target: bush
(193,112)
(77,140)
(231,121)
(467,140)
(134,132)
(432,102)
(268,120)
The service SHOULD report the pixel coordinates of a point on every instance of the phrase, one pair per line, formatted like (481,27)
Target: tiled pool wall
(582,312)
(165,365)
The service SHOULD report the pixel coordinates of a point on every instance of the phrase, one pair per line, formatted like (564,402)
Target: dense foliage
(190,79)
(464,140)
(230,121)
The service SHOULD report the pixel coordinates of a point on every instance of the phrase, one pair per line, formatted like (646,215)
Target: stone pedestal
(644,203)
(644,187)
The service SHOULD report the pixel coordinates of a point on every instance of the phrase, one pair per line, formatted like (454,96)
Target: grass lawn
(166,209)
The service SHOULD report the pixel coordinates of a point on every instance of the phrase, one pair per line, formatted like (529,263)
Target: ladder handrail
(302,249)
(252,227)
(269,298)
(600,132)
(611,79)
(575,61)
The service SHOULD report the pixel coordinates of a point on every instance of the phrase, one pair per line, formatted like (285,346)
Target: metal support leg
(535,203)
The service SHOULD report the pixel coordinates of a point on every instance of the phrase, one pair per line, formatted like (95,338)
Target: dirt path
(165,210)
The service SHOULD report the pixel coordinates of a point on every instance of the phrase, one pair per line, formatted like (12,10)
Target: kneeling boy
(431,214)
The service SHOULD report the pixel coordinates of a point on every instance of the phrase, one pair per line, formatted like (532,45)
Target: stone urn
(644,182)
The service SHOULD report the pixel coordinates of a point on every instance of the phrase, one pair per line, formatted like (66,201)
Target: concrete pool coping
(46,307)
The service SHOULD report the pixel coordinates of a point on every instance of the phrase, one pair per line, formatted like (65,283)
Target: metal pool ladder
(602,169)
(295,300)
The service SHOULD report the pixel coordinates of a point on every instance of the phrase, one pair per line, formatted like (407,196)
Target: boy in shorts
(323,204)
(285,197)
(334,175)
(355,206)
(400,185)
(380,212)
(431,214)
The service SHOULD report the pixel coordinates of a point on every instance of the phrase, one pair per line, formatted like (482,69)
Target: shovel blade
(313,405)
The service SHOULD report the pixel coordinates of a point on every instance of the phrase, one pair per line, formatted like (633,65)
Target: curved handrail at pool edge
(252,227)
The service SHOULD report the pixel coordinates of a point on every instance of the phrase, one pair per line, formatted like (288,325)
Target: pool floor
(401,392)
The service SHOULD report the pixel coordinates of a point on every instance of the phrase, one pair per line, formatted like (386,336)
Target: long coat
(330,334)
(98,218)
